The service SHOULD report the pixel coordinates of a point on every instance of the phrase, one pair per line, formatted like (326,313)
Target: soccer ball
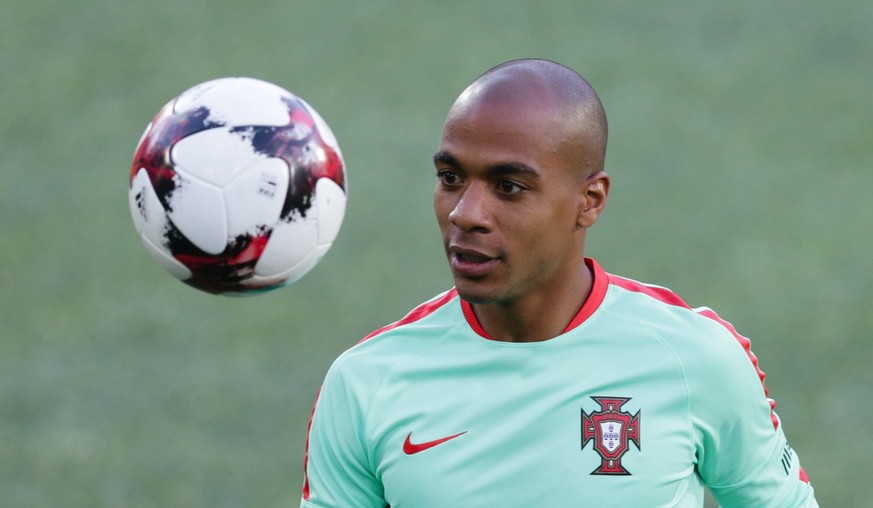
(237,187)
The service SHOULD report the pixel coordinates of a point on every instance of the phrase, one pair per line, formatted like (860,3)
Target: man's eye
(508,187)
(448,177)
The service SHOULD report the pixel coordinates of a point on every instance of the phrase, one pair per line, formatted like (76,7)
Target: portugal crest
(610,429)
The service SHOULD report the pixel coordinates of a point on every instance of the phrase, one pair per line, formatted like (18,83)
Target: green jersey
(641,401)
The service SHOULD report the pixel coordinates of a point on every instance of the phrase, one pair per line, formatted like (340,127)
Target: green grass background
(740,153)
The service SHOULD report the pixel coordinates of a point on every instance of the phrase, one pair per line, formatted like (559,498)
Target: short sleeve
(337,469)
(743,455)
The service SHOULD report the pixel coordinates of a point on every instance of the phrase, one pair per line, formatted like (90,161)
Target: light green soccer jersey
(640,402)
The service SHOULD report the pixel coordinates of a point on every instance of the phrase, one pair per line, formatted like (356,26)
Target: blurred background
(740,152)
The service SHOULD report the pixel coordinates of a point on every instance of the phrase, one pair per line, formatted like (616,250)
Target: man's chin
(475,293)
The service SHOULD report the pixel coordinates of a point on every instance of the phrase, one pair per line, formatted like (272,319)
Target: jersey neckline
(599,285)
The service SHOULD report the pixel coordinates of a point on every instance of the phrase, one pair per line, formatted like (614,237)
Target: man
(540,379)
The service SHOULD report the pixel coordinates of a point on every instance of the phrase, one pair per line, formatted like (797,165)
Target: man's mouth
(468,262)
(471,257)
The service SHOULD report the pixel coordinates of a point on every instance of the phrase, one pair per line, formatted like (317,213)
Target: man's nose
(472,211)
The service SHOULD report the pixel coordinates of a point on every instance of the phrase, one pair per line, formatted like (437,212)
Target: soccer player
(540,379)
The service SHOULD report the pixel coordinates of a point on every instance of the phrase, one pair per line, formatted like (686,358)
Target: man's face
(507,202)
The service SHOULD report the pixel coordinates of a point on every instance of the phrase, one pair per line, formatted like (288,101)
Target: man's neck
(536,317)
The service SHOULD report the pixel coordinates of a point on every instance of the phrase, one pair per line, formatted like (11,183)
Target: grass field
(741,149)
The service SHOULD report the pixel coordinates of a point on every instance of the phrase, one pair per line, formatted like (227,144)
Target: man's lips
(469,262)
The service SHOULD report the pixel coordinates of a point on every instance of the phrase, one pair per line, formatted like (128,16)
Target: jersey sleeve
(337,466)
(743,455)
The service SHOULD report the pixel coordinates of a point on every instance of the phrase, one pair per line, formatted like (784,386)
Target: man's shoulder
(699,337)
(644,301)
(432,312)
(665,313)
(418,329)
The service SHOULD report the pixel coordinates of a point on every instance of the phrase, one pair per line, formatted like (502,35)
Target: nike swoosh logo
(410,448)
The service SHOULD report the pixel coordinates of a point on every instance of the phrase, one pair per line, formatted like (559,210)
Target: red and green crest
(611,430)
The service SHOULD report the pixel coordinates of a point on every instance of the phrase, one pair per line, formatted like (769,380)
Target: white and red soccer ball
(237,187)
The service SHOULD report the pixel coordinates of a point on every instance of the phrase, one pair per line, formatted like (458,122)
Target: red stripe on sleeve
(658,293)
(306,452)
(417,313)
(670,298)
(747,347)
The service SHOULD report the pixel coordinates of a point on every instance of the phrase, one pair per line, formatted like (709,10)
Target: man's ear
(595,190)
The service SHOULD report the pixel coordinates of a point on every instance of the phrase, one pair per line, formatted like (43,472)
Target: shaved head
(563,100)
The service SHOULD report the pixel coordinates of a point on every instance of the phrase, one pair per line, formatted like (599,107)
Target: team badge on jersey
(611,430)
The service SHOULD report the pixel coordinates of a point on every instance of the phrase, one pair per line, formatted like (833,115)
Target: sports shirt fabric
(641,401)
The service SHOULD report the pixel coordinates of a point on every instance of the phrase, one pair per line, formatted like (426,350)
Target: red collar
(595,298)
